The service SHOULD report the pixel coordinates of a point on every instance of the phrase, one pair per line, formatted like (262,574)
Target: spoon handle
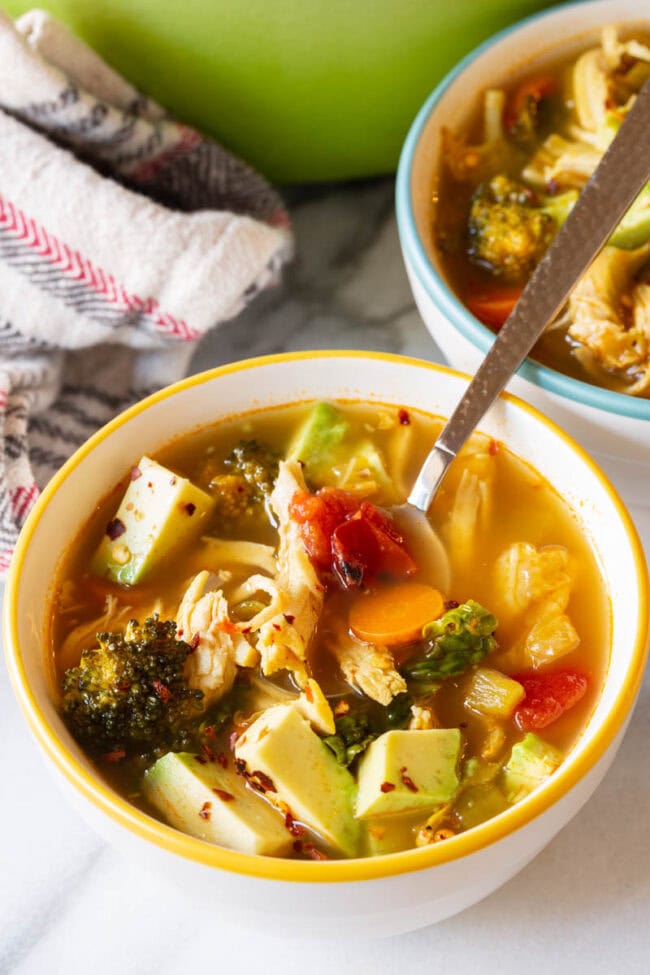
(607,196)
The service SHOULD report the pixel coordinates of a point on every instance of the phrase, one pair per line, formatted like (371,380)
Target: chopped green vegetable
(559,207)
(129,693)
(507,232)
(456,641)
(531,762)
(357,729)
(257,464)
(634,229)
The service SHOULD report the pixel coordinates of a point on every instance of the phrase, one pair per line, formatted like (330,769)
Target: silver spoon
(619,177)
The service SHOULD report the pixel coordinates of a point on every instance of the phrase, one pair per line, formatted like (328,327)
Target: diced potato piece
(303,774)
(159,513)
(213,804)
(491,692)
(550,638)
(408,770)
(531,762)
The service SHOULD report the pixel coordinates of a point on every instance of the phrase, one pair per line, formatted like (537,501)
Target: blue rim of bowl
(442,295)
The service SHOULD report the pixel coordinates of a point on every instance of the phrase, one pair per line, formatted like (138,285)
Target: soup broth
(518,694)
(509,180)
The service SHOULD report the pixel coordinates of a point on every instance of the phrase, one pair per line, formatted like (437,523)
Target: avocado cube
(214,804)
(159,513)
(408,770)
(390,834)
(301,772)
(313,445)
(531,762)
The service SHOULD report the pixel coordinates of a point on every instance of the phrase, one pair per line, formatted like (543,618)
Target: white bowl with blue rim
(614,427)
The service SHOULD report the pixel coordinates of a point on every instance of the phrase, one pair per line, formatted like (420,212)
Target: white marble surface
(70,904)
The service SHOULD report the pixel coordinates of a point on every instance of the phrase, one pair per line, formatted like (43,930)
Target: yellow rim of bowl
(388,865)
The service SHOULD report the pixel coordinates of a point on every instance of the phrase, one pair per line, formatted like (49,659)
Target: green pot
(303,89)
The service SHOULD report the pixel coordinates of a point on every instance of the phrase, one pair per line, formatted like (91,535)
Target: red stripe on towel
(73,265)
(148,170)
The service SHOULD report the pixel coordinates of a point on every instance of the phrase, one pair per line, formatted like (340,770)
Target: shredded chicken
(422,719)
(610,315)
(283,640)
(369,668)
(203,617)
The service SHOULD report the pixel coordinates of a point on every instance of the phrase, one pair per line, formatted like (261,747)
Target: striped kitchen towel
(124,237)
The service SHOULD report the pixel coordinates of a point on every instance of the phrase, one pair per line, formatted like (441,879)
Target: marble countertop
(70,904)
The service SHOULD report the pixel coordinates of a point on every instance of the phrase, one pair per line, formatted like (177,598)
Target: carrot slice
(493,307)
(395,614)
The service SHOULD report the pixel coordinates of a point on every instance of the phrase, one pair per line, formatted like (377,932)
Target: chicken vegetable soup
(509,180)
(248,648)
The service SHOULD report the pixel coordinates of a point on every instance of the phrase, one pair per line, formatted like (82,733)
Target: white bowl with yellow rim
(382,895)
(613,426)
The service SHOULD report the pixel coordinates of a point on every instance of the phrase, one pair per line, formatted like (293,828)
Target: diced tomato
(527,98)
(355,552)
(318,515)
(493,307)
(355,540)
(548,697)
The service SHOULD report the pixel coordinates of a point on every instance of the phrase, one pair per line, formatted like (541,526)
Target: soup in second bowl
(508,182)
(249,650)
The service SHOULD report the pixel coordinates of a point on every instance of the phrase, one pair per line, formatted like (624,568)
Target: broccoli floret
(507,232)
(129,694)
(364,722)
(460,638)
(257,464)
(234,497)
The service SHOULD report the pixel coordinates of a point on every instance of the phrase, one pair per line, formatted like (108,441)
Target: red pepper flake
(222,759)
(297,846)
(407,780)
(451,604)
(207,751)
(313,852)
(341,708)
(404,418)
(247,629)
(289,617)
(179,633)
(204,811)
(201,759)
(161,690)
(172,481)
(115,528)
(209,732)
(387,786)
(240,766)
(190,508)
(494,448)
(260,781)
(223,795)
(232,741)
(135,473)
(115,756)
(150,484)
(196,639)
(227,626)
(276,626)
(294,828)
(309,694)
